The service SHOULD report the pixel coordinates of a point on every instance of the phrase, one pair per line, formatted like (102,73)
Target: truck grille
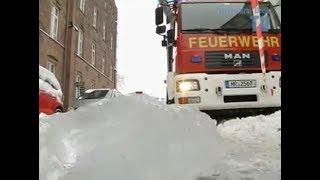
(227,59)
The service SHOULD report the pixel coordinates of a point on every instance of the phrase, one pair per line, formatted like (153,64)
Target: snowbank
(130,137)
(49,83)
(254,147)
(138,137)
(256,130)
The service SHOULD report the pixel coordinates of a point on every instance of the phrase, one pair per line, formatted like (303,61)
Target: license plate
(240,84)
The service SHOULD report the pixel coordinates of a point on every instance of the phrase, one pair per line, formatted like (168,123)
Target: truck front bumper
(214,95)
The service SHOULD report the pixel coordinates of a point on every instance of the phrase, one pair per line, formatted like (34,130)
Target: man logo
(237,63)
(237,56)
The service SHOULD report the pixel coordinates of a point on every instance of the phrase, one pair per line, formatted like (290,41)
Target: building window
(104,31)
(103,65)
(111,43)
(93,54)
(111,72)
(78,86)
(82,5)
(54,22)
(80,43)
(93,84)
(94,17)
(51,67)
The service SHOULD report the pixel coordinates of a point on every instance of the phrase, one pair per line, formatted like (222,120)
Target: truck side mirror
(161,29)
(159,15)
(170,35)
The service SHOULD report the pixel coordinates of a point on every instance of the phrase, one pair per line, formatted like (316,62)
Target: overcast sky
(141,58)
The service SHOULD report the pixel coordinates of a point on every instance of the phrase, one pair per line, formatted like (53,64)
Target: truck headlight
(188,85)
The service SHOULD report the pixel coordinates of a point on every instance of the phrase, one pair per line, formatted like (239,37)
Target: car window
(98,94)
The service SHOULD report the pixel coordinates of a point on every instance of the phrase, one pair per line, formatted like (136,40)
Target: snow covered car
(50,94)
(94,95)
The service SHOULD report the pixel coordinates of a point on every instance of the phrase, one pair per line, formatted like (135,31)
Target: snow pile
(254,130)
(138,137)
(254,148)
(129,137)
(49,83)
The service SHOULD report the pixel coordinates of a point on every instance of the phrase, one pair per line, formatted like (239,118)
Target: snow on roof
(91,90)
(49,83)
(49,77)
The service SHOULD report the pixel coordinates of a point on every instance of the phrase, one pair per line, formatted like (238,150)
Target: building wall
(94,74)
(51,49)
(56,49)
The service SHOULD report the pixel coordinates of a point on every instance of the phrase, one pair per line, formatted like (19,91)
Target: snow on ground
(254,146)
(138,137)
(256,130)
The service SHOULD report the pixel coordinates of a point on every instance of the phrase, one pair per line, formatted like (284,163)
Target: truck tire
(58,110)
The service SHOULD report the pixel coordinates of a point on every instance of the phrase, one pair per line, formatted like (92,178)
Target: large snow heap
(140,138)
(130,137)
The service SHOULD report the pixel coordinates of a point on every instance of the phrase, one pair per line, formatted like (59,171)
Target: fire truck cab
(213,55)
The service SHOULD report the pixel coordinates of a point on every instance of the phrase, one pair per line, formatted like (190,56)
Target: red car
(50,94)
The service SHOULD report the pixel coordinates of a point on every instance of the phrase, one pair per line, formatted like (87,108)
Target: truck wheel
(171,101)
(58,110)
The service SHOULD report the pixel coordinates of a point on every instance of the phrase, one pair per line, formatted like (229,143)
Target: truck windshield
(227,17)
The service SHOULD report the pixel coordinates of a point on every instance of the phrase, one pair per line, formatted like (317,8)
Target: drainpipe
(64,72)
(67,74)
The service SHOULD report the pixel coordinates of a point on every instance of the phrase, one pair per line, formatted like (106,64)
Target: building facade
(77,42)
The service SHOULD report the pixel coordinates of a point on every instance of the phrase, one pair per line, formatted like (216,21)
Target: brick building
(77,42)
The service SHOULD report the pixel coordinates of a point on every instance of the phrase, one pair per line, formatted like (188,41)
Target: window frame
(95,15)
(93,84)
(51,64)
(80,47)
(93,54)
(111,41)
(104,31)
(54,22)
(82,5)
(103,65)
(78,88)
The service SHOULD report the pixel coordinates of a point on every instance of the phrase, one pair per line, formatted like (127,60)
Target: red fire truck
(214,61)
